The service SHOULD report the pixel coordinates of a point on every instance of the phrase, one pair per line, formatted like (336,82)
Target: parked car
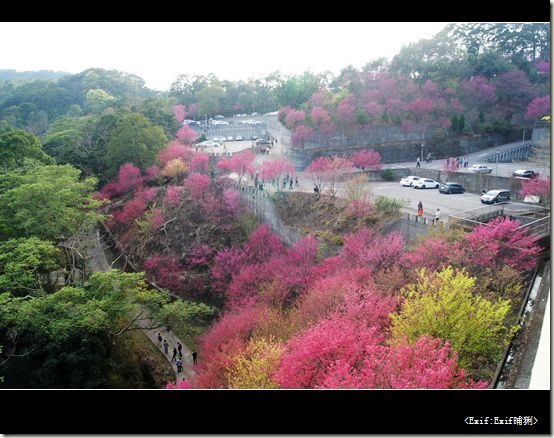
(426,183)
(480,168)
(239,138)
(263,142)
(450,187)
(522,173)
(209,144)
(409,180)
(495,196)
(219,116)
(229,138)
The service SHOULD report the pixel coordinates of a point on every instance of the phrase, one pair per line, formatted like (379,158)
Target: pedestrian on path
(194,357)
(160,339)
(418,163)
(437,216)
(296,182)
(180,348)
(166,347)
(174,354)
(179,364)
(420,209)
(290,185)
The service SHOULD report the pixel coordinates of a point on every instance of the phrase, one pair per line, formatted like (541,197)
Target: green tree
(461,123)
(443,305)
(134,140)
(209,99)
(69,334)
(50,202)
(16,146)
(98,100)
(160,112)
(26,265)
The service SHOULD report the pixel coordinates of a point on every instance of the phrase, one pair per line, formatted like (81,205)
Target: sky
(159,52)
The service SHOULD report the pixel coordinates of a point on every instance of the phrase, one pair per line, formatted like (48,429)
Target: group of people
(457,162)
(437,213)
(289,180)
(178,350)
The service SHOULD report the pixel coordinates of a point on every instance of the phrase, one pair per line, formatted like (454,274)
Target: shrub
(387,174)
(386,204)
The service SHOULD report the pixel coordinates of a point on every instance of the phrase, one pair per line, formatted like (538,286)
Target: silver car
(480,168)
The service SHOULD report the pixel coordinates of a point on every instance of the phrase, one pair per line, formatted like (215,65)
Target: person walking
(290,185)
(174,354)
(296,182)
(180,348)
(420,209)
(437,216)
(166,347)
(194,357)
(160,339)
(179,364)
(418,162)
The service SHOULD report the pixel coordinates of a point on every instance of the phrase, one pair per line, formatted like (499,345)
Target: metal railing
(469,219)
(518,152)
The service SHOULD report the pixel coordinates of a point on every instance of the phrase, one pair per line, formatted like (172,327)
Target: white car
(229,138)
(409,180)
(480,168)
(426,183)
(209,144)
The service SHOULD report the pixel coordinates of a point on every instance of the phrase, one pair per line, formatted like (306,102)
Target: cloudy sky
(159,52)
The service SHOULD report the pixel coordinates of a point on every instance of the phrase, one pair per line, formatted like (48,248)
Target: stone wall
(400,152)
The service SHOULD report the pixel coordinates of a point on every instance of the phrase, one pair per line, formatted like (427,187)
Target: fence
(262,205)
(519,152)
(535,219)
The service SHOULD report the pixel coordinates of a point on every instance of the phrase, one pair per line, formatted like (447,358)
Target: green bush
(386,204)
(387,174)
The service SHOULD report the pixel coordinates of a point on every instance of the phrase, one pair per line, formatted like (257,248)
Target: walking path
(99,262)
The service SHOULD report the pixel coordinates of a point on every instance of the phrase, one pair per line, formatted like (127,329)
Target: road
(480,157)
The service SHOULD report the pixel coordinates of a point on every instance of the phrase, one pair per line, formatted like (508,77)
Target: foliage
(254,367)
(536,187)
(76,327)
(500,242)
(539,106)
(26,265)
(442,305)
(173,151)
(50,202)
(368,159)
(173,195)
(275,170)
(16,146)
(387,174)
(165,271)
(388,205)
(175,169)
(134,140)
(97,100)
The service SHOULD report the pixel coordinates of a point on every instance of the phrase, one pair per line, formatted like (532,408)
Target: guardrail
(519,152)
(469,219)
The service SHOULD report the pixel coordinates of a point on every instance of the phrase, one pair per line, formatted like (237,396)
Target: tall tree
(135,140)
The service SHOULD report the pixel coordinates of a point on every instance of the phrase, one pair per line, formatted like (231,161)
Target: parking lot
(431,198)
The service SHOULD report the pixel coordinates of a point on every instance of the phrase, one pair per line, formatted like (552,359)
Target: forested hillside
(356,309)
